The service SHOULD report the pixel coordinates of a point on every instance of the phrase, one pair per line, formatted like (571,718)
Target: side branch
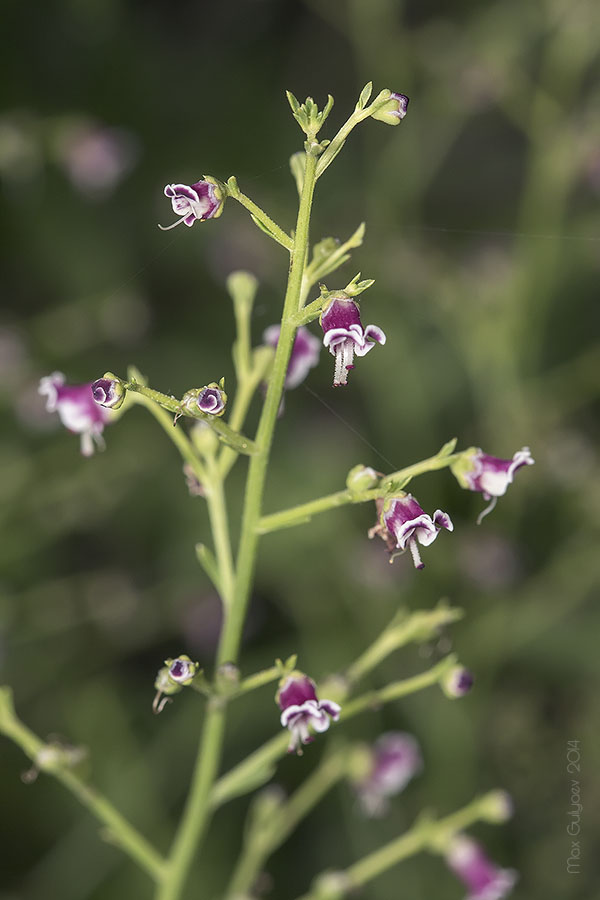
(51,758)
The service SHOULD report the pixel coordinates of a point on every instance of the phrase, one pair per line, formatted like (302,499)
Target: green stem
(243,397)
(426,834)
(258,767)
(420,626)
(176,435)
(299,515)
(265,838)
(397,689)
(239,442)
(122,833)
(258,680)
(269,226)
(217,511)
(339,140)
(198,806)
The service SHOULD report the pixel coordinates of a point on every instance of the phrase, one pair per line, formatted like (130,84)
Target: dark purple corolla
(345,336)
(403,522)
(181,670)
(212,400)
(457,682)
(477,471)
(301,709)
(395,759)
(304,356)
(109,391)
(194,202)
(77,409)
(483,879)
(394,110)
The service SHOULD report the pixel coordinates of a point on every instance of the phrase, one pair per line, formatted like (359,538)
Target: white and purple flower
(457,682)
(109,391)
(77,409)
(483,878)
(395,760)
(403,523)
(194,202)
(301,709)
(477,471)
(345,336)
(304,356)
(212,400)
(181,669)
(394,110)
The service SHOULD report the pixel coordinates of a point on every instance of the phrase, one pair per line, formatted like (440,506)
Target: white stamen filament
(414,550)
(168,227)
(487,510)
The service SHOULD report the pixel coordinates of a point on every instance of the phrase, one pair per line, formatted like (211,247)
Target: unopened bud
(109,391)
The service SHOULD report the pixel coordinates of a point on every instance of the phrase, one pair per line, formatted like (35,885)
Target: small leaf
(294,103)
(447,449)
(364,95)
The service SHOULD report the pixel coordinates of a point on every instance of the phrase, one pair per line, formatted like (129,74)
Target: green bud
(390,107)
(361,478)
(496,807)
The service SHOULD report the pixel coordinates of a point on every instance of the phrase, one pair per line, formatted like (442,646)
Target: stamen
(414,550)
(168,227)
(340,375)
(487,510)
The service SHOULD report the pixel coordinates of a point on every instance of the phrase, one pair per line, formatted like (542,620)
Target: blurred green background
(483,236)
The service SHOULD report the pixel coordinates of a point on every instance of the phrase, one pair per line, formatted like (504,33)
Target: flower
(394,110)
(484,880)
(395,759)
(196,202)
(300,707)
(344,335)
(305,354)
(95,157)
(476,471)
(402,520)
(109,391)
(212,399)
(181,669)
(457,682)
(77,409)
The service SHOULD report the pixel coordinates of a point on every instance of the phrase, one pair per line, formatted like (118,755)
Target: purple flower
(344,335)
(404,521)
(109,391)
(394,110)
(457,682)
(301,708)
(77,409)
(395,759)
(95,157)
(305,354)
(181,670)
(476,471)
(196,202)
(484,880)
(212,400)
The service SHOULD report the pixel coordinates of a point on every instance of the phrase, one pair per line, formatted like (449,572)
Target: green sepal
(220,191)
(365,95)
(463,466)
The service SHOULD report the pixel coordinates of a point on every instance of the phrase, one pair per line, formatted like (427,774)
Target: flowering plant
(209,449)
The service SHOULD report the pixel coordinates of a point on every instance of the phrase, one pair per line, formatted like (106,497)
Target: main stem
(197,811)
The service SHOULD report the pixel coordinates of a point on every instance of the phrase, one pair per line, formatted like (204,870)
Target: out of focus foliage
(483,236)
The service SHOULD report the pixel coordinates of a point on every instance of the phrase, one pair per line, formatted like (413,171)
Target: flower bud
(496,807)
(109,391)
(456,682)
(181,670)
(212,399)
(361,478)
(393,111)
